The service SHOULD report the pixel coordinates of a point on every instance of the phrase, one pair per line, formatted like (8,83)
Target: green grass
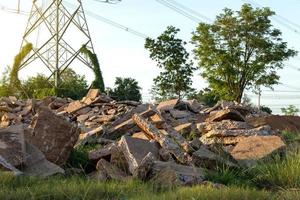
(76,188)
(290,137)
(81,188)
(279,172)
(277,178)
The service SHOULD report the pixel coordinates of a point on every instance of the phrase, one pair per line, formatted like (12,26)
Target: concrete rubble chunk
(170,173)
(167,105)
(225,114)
(264,130)
(210,160)
(75,106)
(117,131)
(165,141)
(144,168)
(225,124)
(253,148)
(53,135)
(93,94)
(229,140)
(195,106)
(12,145)
(140,135)
(103,152)
(107,171)
(128,115)
(136,149)
(179,114)
(37,165)
(7,167)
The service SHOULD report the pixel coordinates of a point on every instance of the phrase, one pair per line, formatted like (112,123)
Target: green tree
(5,89)
(206,96)
(126,89)
(38,87)
(240,50)
(290,110)
(169,52)
(73,86)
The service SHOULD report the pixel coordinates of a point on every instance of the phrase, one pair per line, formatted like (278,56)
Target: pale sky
(123,54)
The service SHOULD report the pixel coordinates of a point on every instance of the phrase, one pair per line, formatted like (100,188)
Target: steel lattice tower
(57,34)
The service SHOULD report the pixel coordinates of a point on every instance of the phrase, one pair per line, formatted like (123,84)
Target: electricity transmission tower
(57,33)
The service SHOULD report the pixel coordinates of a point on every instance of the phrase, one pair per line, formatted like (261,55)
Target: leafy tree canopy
(207,96)
(126,89)
(290,110)
(169,52)
(240,50)
(73,86)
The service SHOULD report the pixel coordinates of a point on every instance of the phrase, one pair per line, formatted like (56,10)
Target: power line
(111,22)
(290,86)
(280,19)
(190,10)
(180,11)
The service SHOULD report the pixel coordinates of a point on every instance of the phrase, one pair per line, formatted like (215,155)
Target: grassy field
(276,178)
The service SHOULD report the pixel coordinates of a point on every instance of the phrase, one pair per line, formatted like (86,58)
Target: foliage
(98,82)
(266,109)
(177,70)
(5,89)
(73,86)
(38,87)
(290,110)
(126,89)
(227,176)
(279,172)
(14,74)
(207,96)
(290,137)
(240,50)
(79,158)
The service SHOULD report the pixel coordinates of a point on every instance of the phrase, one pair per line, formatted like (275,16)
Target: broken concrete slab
(179,114)
(170,173)
(117,131)
(251,149)
(203,157)
(140,135)
(103,152)
(195,106)
(53,135)
(264,130)
(165,141)
(7,167)
(107,171)
(167,105)
(12,146)
(136,149)
(37,165)
(75,106)
(224,124)
(220,115)
(230,140)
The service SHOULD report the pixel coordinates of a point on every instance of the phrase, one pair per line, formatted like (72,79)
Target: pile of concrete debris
(173,141)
